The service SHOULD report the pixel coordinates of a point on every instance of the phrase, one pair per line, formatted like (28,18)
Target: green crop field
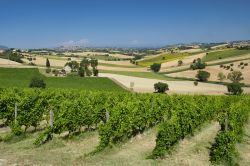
(162,58)
(117,65)
(17,77)
(224,54)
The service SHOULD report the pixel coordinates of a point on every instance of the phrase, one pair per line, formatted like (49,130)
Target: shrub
(55,72)
(155,67)
(195,83)
(161,87)
(221,66)
(221,76)
(235,76)
(48,70)
(180,62)
(231,64)
(246,64)
(37,82)
(235,88)
(241,63)
(16,129)
(202,75)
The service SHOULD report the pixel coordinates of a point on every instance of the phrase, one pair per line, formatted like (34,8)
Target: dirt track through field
(180,87)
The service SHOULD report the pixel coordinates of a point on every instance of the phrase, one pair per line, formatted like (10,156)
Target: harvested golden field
(146,85)
(186,61)
(214,70)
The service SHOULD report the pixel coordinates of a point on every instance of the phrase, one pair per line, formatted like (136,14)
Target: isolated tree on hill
(94,63)
(202,75)
(95,72)
(161,87)
(85,63)
(180,62)
(74,65)
(155,67)
(221,76)
(235,76)
(235,88)
(81,72)
(47,63)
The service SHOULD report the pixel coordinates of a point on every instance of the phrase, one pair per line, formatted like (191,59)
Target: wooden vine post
(226,122)
(132,84)
(51,118)
(15,113)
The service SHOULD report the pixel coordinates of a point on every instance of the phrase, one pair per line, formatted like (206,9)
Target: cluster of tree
(83,68)
(13,56)
(243,47)
(198,64)
(235,87)
(184,47)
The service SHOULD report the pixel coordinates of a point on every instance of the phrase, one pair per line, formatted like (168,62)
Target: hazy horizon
(121,23)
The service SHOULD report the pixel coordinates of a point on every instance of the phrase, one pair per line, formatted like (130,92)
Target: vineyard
(120,116)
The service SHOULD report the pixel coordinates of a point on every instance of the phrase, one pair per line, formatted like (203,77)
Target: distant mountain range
(3,47)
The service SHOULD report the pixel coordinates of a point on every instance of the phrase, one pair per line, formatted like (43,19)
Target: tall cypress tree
(47,63)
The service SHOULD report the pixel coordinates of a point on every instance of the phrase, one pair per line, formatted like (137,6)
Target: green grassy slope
(17,77)
(224,54)
(162,58)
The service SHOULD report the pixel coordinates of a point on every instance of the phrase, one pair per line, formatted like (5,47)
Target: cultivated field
(214,70)
(17,77)
(107,128)
(186,61)
(179,87)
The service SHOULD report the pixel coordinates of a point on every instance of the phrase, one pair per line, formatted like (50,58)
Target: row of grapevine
(132,116)
(74,110)
(188,113)
(120,116)
(232,122)
(191,113)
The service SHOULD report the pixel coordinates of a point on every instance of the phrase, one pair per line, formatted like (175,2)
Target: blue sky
(134,23)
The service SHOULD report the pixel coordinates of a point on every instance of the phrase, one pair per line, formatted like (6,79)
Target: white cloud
(134,42)
(81,42)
